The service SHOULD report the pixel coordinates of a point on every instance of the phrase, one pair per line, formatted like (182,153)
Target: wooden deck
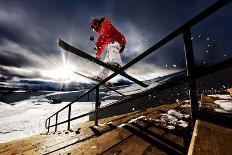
(143,136)
(139,137)
(210,139)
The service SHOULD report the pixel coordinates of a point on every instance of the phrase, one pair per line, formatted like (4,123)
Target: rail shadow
(96,134)
(154,139)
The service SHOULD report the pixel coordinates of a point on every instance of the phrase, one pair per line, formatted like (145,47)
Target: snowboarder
(108,36)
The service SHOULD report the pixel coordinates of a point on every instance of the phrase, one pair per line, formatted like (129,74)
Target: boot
(96,78)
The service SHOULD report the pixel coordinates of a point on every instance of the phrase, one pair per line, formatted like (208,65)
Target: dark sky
(29,30)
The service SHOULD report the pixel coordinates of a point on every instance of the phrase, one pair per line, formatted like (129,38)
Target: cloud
(18,73)
(148,71)
(13,54)
(29,30)
(136,42)
(12,16)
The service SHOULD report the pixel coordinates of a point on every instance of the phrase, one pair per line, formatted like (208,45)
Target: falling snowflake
(174,65)
(207,38)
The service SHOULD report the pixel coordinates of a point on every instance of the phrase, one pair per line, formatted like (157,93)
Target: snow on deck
(173,118)
(131,121)
(224,104)
(221,96)
(224,101)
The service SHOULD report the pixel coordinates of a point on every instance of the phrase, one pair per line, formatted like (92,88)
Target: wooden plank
(229,91)
(209,138)
(128,147)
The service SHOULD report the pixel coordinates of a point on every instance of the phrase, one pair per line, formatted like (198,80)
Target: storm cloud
(29,31)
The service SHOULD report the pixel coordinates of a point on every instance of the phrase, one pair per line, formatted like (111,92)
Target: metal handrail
(183,29)
(79,97)
(200,73)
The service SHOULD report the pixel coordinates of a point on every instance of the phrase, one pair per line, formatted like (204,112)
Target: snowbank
(27,117)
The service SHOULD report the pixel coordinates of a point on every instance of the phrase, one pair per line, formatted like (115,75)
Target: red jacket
(108,34)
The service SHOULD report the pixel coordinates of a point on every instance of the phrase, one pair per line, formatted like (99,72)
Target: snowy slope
(27,117)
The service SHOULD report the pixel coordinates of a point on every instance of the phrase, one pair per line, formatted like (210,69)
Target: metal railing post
(56,122)
(69,116)
(190,72)
(97,104)
(48,124)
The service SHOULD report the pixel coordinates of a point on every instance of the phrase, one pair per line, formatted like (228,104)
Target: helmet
(94,24)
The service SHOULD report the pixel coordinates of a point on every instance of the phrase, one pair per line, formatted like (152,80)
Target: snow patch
(221,110)
(5,105)
(99,124)
(178,114)
(224,104)
(182,123)
(122,125)
(131,121)
(186,106)
(93,147)
(173,118)
(170,127)
(225,97)
(135,119)
(168,118)
(109,123)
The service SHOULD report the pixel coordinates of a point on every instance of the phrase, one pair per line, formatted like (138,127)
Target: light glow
(62,73)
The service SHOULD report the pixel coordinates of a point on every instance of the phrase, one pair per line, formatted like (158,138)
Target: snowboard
(82,54)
